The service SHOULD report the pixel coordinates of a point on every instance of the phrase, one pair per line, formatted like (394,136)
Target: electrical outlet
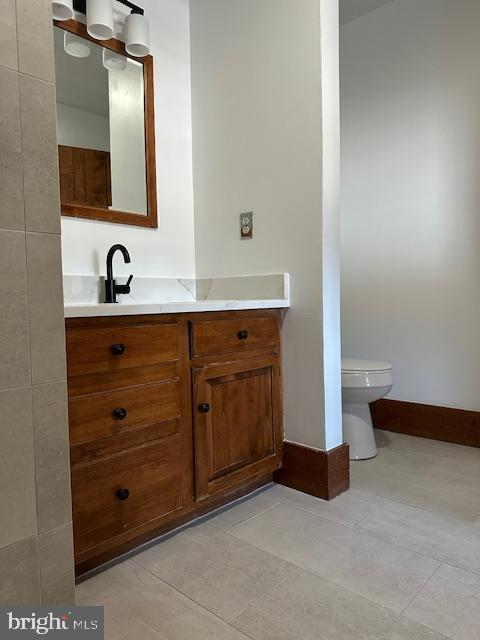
(246,226)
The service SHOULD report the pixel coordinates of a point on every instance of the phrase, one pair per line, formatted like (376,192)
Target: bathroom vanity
(171,415)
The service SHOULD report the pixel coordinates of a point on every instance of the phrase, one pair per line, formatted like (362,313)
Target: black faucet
(111,287)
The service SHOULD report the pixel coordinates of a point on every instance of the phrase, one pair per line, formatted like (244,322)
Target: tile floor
(395,558)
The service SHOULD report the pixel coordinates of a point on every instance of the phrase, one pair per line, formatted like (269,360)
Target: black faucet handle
(124,288)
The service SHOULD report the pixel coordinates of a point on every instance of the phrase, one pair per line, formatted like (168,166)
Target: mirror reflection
(100,126)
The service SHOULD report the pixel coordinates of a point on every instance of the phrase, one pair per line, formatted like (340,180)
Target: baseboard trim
(427,421)
(323,474)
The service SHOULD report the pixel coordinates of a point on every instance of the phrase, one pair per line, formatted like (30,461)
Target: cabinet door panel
(237,422)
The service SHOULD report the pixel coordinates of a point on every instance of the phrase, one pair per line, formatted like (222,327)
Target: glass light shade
(62,9)
(114,61)
(100,19)
(137,35)
(75,46)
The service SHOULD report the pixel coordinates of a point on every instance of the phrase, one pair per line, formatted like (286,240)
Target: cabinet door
(238,423)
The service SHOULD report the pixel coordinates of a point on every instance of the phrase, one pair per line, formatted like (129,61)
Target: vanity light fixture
(75,46)
(100,19)
(114,61)
(100,23)
(137,35)
(62,9)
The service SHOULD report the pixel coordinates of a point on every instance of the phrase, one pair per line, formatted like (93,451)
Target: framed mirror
(105,129)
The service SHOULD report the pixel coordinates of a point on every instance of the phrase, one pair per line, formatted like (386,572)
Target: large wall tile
(11,181)
(50,421)
(45,296)
(8,34)
(19,573)
(14,348)
(40,155)
(18,511)
(56,566)
(35,39)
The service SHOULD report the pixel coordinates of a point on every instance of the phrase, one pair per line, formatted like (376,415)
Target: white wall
(79,128)
(257,146)
(410,90)
(168,251)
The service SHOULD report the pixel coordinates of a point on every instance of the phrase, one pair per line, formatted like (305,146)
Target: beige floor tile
(421,473)
(215,569)
(148,601)
(18,510)
(449,603)
(306,607)
(382,572)
(244,509)
(121,626)
(346,509)
(437,536)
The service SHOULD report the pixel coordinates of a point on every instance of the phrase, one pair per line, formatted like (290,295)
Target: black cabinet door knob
(120,414)
(122,494)
(118,349)
(204,407)
(242,335)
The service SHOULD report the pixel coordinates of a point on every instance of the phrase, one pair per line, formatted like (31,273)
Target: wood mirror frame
(110,215)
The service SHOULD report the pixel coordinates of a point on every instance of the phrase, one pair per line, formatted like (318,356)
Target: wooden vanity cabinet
(236,426)
(170,416)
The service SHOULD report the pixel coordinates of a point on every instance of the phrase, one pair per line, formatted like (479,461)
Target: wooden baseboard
(324,474)
(427,421)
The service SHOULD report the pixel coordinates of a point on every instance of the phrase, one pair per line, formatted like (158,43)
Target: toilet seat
(356,365)
(364,374)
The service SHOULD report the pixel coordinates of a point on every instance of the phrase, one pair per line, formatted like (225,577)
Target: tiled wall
(36,554)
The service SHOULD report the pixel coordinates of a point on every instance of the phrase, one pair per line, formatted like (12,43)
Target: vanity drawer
(110,349)
(110,380)
(120,493)
(217,337)
(105,414)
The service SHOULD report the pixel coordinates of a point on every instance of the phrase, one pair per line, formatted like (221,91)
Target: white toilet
(363,381)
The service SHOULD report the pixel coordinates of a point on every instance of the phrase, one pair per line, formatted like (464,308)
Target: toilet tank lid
(357,365)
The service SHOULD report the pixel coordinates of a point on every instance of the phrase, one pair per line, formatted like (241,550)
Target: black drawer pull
(122,494)
(118,349)
(204,407)
(242,335)
(120,414)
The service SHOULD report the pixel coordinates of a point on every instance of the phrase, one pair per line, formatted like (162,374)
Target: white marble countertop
(92,310)
(151,295)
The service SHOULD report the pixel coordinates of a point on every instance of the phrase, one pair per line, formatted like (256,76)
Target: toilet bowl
(363,381)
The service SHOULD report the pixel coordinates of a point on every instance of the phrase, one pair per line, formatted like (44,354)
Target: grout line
(297,568)
(29,75)
(448,516)
(239,524)
(317,515)
(185,595)
(421,589)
